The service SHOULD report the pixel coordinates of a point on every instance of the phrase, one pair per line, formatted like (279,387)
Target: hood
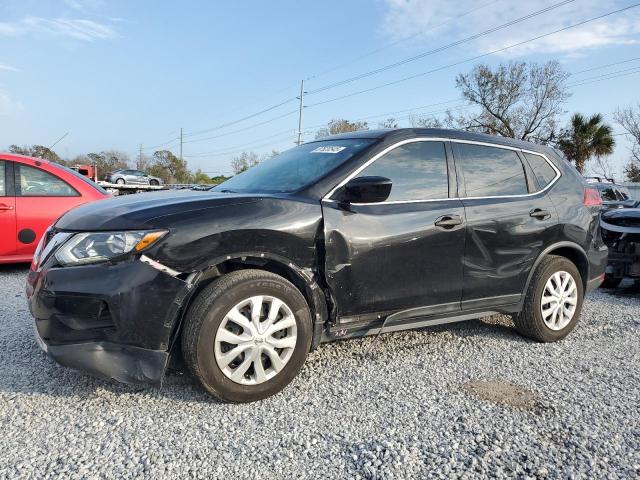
(143,210)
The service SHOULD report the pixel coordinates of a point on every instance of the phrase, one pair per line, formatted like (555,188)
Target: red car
(33,194)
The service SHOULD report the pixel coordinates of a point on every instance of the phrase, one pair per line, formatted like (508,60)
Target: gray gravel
(413,408)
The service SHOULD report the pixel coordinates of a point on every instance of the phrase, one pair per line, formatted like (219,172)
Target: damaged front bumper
(114,321)
(621,234)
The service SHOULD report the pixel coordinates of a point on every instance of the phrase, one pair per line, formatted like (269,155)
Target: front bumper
(122,363)
(114,321)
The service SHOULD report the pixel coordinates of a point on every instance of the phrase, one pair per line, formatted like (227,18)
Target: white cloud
(81,29)
(8,68)
(443,21)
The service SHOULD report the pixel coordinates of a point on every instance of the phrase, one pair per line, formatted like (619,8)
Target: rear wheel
(120,181)
(553,302)
(247,335)
(154,183)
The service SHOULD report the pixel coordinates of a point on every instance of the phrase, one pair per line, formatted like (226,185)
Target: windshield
(296,168)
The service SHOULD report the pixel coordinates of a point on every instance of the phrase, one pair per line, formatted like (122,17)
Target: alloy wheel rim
(255,340)
(559,300)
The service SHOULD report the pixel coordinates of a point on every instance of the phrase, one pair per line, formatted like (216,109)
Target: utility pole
(140,159)
(180,143)
(301,97)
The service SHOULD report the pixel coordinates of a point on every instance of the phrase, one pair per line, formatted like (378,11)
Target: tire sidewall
(212,378)
(560,264)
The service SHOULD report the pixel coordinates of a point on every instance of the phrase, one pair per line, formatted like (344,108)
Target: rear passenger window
(33,182)
(417,170)
(491,171)
(543,172)
(3,187)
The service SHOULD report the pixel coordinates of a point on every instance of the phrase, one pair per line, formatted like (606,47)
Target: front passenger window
(417,170)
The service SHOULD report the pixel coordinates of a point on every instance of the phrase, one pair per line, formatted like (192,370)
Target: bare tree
(425,122)
(388,123)
(341,126)
(244,161)
(629,119)
(517,100)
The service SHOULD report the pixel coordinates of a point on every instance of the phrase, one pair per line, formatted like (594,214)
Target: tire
(610,282)
(120,181)
(203,349)
(154,183)
(530,321)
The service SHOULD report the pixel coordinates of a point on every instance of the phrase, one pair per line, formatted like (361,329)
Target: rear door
(7,210)
(510,220)
(398,254)
(41,197)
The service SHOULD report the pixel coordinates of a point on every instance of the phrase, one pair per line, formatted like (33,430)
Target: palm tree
(585,138)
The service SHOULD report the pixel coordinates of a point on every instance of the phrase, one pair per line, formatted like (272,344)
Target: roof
(437,133)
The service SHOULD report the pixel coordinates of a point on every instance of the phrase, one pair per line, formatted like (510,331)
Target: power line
(402,40)
(240,150)
(441,48)
(471,59)
(607,76)
(244,128)
(247,117)
(258,140)
(605,66)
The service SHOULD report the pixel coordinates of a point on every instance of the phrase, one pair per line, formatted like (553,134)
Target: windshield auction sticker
(328,149)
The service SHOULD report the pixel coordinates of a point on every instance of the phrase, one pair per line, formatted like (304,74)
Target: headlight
(93,247)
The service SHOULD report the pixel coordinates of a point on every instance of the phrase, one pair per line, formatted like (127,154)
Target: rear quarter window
(542,171)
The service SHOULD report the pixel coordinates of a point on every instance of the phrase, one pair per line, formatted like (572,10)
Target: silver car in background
(131,177)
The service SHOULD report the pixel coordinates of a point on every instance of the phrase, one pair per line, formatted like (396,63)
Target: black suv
(342,237)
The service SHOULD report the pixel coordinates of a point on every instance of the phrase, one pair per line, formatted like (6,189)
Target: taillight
(592,197)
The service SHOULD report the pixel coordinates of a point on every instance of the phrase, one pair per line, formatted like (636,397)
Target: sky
(120,74)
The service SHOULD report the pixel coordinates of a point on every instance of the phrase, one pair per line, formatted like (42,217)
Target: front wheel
(154,183)
(247,335)
(120,181)
(553,301)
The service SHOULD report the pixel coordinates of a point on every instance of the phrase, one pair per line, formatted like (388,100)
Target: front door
(509,221)
(7,211)
(406,252)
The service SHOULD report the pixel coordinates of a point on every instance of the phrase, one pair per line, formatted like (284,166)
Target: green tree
(108,161)
(170,168)
(201,178)
(37,151)
(341,126)
(585,138)
(516,100)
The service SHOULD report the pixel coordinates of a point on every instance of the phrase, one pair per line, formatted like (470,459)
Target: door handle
(6,207)
(539,214)
(448,221)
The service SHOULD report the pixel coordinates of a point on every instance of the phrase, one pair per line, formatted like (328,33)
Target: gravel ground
(426,403)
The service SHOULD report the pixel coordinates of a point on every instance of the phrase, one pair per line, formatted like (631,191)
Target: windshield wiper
(226,190)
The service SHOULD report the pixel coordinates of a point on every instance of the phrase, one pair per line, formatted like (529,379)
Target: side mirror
(364,190)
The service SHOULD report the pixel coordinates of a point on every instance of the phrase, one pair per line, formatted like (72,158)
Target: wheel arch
(569,250)
(303,279)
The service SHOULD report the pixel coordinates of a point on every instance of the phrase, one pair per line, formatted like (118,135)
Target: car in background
(621,233)
(33,194)
(131,177)
(613,195)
